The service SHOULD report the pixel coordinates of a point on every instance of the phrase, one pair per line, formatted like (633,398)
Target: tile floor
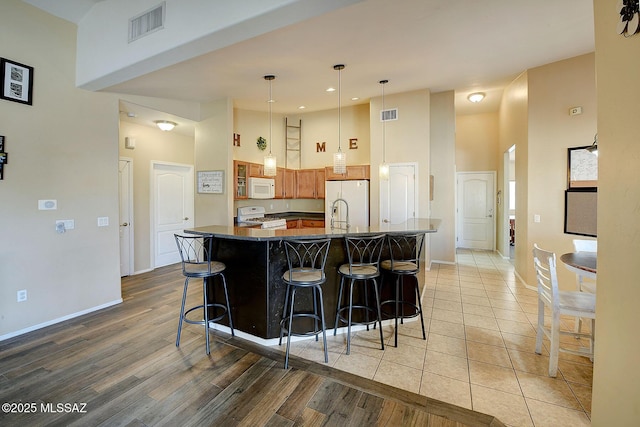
(479,351)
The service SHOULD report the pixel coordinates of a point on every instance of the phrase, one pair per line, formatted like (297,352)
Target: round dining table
(583,263)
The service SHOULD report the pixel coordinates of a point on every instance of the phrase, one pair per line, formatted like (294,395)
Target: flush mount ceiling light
(339,158)
(165,125)
(270,160)
(476,97)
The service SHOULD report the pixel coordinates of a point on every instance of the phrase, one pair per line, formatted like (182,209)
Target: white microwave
(261,188)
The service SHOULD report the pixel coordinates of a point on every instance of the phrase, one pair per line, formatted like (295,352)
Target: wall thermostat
(47,205)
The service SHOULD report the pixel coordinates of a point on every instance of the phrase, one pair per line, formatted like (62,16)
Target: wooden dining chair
(569,303)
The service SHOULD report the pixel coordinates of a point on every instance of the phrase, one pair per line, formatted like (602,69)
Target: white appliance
(347,199)
(261,188)
(254,215)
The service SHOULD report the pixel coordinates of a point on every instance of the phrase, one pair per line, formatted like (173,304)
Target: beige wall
(513,131)
(152,144)
(213,151)
(553,90)
(477,142)
(443,168)
(63,147)
(616,394)
(322,126)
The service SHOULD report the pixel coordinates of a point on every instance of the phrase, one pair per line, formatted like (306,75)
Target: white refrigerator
(356,196)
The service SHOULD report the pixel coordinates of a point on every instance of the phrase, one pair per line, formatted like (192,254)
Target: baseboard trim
(533,288)
(58,320)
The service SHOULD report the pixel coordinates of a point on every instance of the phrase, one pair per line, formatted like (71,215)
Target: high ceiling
(462,45)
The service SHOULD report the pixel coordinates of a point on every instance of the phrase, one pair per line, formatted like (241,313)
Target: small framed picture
(17,81)
(211,182)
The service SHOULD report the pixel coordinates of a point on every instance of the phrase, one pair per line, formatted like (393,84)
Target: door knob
(124,224)
(386,221)
(186,218)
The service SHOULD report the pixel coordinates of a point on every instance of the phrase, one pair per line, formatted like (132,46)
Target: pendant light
(270,160)
(339,158)
(384,167)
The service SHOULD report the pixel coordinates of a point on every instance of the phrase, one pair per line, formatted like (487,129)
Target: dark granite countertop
(425,225)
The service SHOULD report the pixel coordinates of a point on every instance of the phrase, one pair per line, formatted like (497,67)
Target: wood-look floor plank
(294,406)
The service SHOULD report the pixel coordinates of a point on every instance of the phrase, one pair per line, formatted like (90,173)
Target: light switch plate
(103,221)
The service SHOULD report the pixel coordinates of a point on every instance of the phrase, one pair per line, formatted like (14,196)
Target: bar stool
(404,252)
(306,260)
(196,252)
(363,267)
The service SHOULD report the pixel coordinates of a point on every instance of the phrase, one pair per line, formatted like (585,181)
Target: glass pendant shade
(340,162)
(384,167)
(269,168)
(384,171)
(339,158)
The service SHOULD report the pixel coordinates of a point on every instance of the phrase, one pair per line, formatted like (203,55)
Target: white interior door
(125,173)
(476,208)
(172,202)
(398,195)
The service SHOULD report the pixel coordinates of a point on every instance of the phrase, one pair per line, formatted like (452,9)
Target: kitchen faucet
(334,207)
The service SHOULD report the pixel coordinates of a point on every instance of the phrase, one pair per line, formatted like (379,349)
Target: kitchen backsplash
(283,205)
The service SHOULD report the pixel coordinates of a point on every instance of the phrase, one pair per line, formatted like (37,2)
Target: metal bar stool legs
(358,306)
(306,260)
(195,252)
(363,267)
(404,250)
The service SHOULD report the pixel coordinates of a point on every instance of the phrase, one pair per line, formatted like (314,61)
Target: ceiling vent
(147,22)
(387,115)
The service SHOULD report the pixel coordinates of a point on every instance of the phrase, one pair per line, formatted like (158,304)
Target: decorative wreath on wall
(629,11)
(261,143)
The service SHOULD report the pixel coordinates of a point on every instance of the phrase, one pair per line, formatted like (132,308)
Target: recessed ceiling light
(476,97)
(302,107)
(355,98)
(331,89)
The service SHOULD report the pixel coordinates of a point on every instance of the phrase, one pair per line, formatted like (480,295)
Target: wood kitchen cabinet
(312,223)
(310,183)
(353,172)
(256,170)
(285,183)
(240,174)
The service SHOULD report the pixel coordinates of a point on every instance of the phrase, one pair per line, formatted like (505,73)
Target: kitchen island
(256,260)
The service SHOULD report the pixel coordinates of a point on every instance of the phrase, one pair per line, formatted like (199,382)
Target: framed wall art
(582,168)
(211,182)
(17,81)
(580,212)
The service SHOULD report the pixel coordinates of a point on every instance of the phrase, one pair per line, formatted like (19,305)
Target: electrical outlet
(21,295)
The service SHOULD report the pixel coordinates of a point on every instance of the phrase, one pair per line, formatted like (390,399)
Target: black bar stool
(195,252)
(306,260)
(404,252)
(363,267)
